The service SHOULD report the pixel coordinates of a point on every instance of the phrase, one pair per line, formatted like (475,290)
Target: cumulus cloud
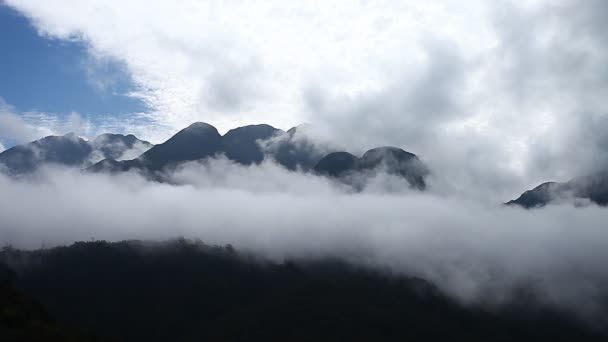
(474,251)
(22,127)
(12,126)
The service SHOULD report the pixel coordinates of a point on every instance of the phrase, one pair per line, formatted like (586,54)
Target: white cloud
(240,62)
(494,95)
(12,126)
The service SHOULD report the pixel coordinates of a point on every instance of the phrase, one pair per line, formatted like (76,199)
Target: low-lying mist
(474,250)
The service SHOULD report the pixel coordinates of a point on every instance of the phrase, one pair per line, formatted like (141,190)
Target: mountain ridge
(67,150)
(591,188)
(243,145)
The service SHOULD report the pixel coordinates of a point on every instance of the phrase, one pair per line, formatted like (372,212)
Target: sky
(495,97)
(503,93)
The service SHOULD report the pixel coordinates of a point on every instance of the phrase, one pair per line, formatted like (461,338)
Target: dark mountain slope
(113,166)
(537,197)
(24,319)
(336,164)
(242,144)
(395,161)
(114,146)
(295,150)
(67,150)
(184,291)
(391,160)
(197,141)
(592,188)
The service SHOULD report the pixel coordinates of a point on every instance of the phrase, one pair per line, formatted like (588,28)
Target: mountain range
(251,145)
(244,145)
(70,150)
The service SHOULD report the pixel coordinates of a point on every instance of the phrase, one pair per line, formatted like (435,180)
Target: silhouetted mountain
(189,291)
(197,141)
(67,150)
(391,160)
(395,161)
(242,144)
(336,164)
(113,166)
(294,150)
(114,146)
(593,188)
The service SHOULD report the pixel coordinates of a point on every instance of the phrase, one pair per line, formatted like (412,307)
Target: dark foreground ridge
(188,291)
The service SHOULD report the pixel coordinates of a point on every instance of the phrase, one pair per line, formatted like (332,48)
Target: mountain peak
(591,187)
(199,126)
(377,154)
(197,141)
(393,160)
(262,130)
(242,144)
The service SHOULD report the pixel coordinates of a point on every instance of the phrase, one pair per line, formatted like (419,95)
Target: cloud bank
(474,251)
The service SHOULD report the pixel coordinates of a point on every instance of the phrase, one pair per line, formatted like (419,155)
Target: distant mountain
(242,144)
(197,141)
(295,150)
(391,160)
(245,145)
(592,188)
(252,144)
(68,150)
(119,147)
(337,164)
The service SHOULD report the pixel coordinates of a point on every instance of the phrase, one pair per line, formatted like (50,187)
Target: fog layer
(475,251)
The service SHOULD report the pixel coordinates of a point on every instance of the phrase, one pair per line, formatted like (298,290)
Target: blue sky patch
(57,76)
